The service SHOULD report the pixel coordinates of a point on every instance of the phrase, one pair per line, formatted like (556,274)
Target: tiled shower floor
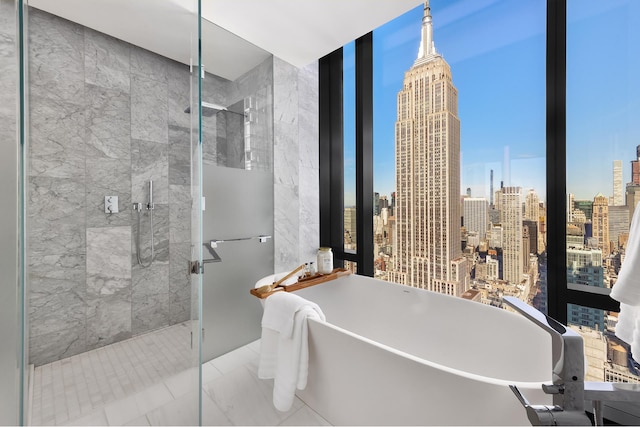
(146,381)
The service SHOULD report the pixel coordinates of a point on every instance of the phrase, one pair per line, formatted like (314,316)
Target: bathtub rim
(453,371)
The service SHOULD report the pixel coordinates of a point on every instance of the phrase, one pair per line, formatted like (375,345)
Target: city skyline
(501,248)
(509,47)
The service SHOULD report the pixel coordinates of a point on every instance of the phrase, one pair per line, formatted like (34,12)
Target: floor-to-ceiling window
(602,170)
(349,99)
(537,100)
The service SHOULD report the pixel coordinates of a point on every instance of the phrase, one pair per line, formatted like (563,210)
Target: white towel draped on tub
(627,290)
(284,351)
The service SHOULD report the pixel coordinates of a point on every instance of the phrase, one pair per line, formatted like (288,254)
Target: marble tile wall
(105,118)
(296,164)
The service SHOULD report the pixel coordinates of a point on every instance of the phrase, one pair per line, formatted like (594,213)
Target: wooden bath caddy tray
(305,282)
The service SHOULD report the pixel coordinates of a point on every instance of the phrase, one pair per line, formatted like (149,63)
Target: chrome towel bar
(261,238)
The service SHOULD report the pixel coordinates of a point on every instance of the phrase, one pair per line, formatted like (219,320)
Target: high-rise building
(350,228)
(491,189)
(584,268)
(635,168)
(585,206)
(618,223)
(618,195)
(570,205)
(532,227)
(376,203)
(427,209)
(511,220)
(532,206)
(526,245)
(495,236)
(475,211)
(600,221)
(633,187)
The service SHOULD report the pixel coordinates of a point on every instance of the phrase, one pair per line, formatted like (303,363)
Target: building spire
(427,46)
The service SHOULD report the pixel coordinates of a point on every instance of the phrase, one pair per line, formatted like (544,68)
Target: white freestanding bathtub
(393,355)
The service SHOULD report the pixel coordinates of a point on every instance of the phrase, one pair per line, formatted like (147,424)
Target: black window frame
(332,164)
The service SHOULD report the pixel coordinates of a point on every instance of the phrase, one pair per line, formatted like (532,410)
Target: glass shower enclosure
(112,211)
(119,156)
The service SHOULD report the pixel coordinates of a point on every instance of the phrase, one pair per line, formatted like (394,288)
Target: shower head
(208,109)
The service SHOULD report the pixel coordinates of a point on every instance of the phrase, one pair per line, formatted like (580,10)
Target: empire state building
(428,251)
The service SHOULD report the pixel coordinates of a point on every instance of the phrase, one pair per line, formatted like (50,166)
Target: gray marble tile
(56,201)
(235,141)
(148,64)
(52,308)
(61,239)
(149,161)
(246,400)
(308,189)
(179,155)
(179,283)
(308,127)
(309,241)
(106,61)
(215,91)
(57,345)
(286,226)
(149,109)
(179,214)
(179,310)
(229,137)
(160,235)
(57,139)
(108,285)
(210,147)
(179,90)
(286,155)
(181,254)
(108,177)
(108,122)
(7,17)
(57,293)
(56,58)
(285,92)
(220,141)
(150,298)
(67,268)
(308,89)
(108,259)
(305,416)
(182,412)
(109,318)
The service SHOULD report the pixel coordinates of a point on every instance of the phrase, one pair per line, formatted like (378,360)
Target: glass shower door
(11,148)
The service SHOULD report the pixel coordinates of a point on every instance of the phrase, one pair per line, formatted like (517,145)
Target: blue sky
(496,50)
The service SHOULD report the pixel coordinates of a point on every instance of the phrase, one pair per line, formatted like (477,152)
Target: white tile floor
(152,373)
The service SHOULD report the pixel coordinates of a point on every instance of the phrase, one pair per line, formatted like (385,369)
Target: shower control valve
(111,204)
